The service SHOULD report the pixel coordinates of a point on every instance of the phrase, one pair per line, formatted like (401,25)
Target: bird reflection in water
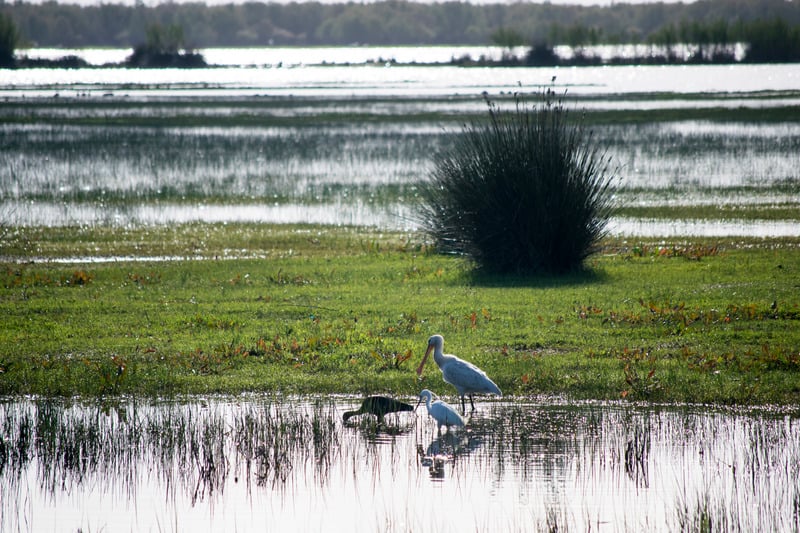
(445,449)
(435,464)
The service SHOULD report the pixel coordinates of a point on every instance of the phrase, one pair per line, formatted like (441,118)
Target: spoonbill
(443,413)
(464,376)
(378,406)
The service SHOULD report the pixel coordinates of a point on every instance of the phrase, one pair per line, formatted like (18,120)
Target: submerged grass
(302,309)
(311,112)
(192,445)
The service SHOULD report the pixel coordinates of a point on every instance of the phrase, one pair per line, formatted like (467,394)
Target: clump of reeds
(525,192)
(188,445)
(273,440)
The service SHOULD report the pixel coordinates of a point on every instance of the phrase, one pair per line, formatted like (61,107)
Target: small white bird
(443,413)
(465,377)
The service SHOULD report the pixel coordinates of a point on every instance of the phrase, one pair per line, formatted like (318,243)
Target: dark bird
(464,376)
(378,406)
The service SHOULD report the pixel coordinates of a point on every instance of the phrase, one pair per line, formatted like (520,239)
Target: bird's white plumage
(467,378)
(443,413)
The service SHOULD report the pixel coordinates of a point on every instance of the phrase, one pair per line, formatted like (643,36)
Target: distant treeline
(392,22)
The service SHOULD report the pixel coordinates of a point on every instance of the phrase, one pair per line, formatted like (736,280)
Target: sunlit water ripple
(356,213)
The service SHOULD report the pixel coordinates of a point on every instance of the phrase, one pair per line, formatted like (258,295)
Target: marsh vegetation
(527,191)
(361,160)
(294,308)
(175,354)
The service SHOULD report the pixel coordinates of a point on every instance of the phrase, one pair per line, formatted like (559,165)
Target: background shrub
(9,39)
(527,191)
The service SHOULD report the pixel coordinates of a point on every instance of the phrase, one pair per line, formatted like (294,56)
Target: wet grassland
(707,157)
(97,303)
(180,370)
(309,309)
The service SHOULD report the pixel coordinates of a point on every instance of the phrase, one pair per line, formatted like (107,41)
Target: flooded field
(369,72)
(61,171)
(291,464)
(350,144)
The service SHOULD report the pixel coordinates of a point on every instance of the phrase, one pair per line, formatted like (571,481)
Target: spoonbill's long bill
(467,378)
(443,413)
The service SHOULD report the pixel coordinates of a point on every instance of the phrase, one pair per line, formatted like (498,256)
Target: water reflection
(636,227)
(446,449)
(357,172)
(289,464)
(372,81)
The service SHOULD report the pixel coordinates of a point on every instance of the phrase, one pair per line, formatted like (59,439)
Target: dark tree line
(769,26)
(768,40)
(382,23)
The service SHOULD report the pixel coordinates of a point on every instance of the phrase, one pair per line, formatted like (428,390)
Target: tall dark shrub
(9,39)
(527,191)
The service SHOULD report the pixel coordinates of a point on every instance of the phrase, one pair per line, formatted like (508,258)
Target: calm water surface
(348,72)
(399,217)
(243,464)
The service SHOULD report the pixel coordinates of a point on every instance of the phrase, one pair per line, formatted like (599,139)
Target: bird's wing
(445,414)
(467,377)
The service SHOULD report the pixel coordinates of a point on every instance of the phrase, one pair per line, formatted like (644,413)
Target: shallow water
(297,71)
(350,144)
(248,463)
(356,174)
(352,213)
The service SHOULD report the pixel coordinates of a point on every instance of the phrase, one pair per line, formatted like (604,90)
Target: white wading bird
(443,413)
(465,377)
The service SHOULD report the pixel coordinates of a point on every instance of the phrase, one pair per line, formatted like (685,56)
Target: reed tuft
(527,191)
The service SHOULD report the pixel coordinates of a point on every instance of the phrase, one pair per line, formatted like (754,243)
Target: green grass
(312,309)
(776,211)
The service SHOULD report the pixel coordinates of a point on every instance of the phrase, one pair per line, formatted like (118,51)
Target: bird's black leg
(472,401)
(463,406)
